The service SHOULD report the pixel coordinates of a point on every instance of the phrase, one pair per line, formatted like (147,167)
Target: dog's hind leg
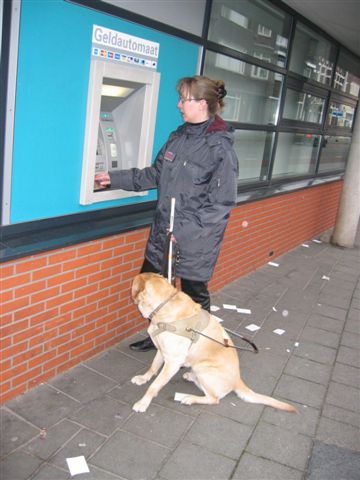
(154,368)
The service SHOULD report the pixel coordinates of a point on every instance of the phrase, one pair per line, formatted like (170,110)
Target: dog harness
(185,326)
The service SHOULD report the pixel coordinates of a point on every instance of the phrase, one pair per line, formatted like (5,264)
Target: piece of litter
(273,264)
(285,313)
(252,327)
(279,331)
(324,277)
(214,308)
(82,445)
(220,320)
(229,307)
(179,396)
(244,310)
(296,344)
(274,309)
(14,439)
(77,465)
(42,433)
(305,245)
(267,348)
(288,350)
(233,404)
(315,240)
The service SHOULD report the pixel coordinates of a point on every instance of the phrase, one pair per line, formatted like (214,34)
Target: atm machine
(121,113)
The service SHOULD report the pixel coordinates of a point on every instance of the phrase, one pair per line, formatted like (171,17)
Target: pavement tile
(193,462)
(343,396)
(332,312)
(209,432)
(97,474)
(301,391)
(305,421)
(43,406)
(340,434)
(349,356)
(347,375)
(116,365)
(103,414)
(55,437)
(308,370)
(325,323)
(154,425)
(19,466)
(252,467)
(50,472)
(135,458)
(353,323)
(334,301)
(280,445)
(14,431)
(341,415)
(322,337)
(350,339)
(316,352)
(82,383)
(234,408)
(329,462)
(85,443)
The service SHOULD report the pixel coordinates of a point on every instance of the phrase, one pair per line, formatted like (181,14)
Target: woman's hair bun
(221,92)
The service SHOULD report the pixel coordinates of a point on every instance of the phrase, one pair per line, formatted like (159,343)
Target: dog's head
(148,291)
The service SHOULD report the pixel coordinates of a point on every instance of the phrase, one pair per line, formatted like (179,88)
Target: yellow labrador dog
(175,321)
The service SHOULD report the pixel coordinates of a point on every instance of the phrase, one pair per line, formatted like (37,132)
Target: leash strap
(226,344)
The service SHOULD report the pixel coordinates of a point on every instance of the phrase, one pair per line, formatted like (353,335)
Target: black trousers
(196,290)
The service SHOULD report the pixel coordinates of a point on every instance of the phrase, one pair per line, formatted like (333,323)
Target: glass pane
(340,115)
(296,154)
(312,56)
(254,27)
(253,150)
(347,75)
(252,92)
(334,152)
(303,107)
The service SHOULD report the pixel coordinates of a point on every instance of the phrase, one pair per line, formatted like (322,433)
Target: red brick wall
(61,307)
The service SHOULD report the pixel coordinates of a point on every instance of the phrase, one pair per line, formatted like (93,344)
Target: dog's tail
(246,394)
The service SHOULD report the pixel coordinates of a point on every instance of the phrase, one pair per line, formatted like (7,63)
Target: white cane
(172,215)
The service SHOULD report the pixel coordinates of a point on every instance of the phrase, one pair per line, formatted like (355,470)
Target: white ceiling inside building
(339,18)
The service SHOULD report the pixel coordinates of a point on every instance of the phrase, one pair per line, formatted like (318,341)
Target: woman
(198,166)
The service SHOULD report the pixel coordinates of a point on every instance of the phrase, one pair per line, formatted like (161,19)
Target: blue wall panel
(53,72)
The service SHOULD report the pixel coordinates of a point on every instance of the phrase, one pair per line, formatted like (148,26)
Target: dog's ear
(138,286)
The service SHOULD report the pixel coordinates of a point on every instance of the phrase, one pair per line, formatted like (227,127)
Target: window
(303,107)
(347,74)
(340,115)
(251,98)
(253,149)
(334,153)
(256,26)
(312,56)
(296,155)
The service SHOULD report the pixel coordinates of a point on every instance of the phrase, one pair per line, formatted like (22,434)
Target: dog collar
(162,304)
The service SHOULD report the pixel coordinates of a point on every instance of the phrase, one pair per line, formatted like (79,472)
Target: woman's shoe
(143,345)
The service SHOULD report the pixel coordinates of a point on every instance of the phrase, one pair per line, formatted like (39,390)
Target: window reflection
(253,92)
(340,115)
(312,56)
(334,153)
(303,107)
(296,154)
(347,75)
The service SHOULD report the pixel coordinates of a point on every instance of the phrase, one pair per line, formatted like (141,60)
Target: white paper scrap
(77,465)
(252,327)
(324,277)
(244,310)
(305,245)
(288,350)
(296,344)
(274,309)
(273,264)
(279,331)
(214,308)
(229,307)
(315,240)
(218,319)
(179,396)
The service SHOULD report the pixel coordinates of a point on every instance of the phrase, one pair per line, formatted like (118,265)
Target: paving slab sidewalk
(312,300)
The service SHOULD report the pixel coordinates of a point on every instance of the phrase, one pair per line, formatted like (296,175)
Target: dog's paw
(188,376)
(140,406)
(187,400)
(139,379)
